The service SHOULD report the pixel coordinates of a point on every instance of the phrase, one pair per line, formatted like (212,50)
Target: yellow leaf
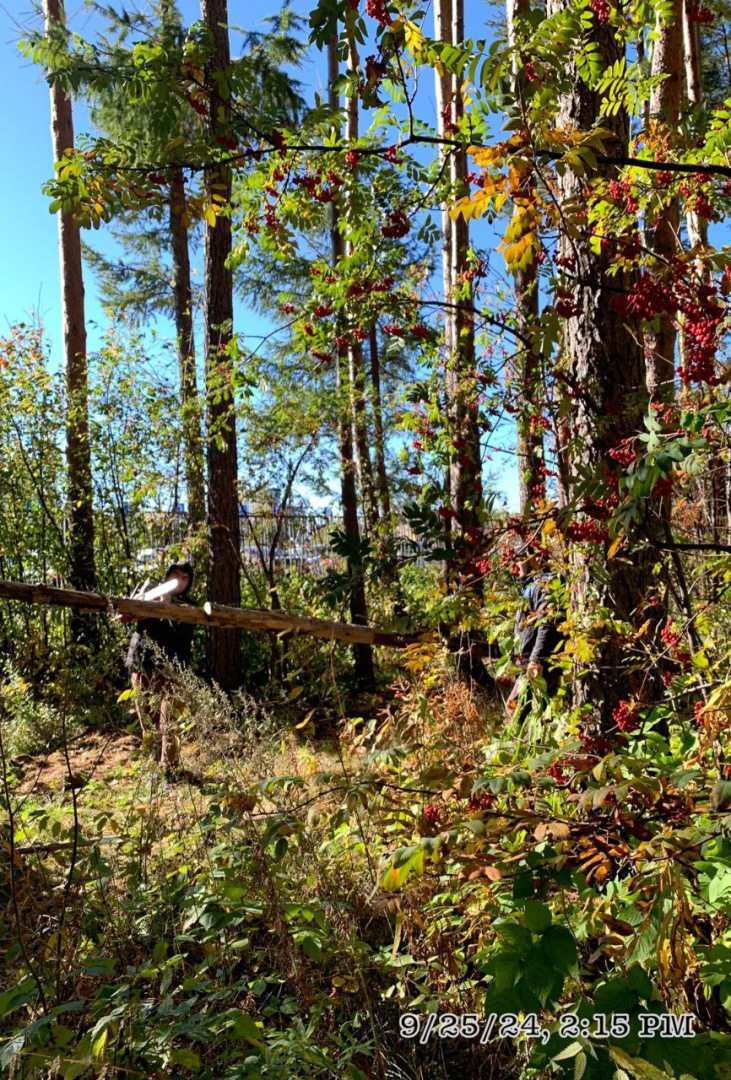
(488,155)
(305,722)
(615,546)
(414,38)
(471,206)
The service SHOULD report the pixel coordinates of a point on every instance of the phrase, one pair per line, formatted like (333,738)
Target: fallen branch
(211,615)
(65,845)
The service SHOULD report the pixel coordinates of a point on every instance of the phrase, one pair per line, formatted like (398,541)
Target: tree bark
(363,654)
(525,291)
(224,582)
(379,443)
(465,469)
(444,86)
(661,233)
(692,55)
(189,400)
(81,560)
(356,374)
(717,497)
(608,365)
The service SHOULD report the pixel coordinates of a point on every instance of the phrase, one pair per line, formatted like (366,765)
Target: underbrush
(282,910)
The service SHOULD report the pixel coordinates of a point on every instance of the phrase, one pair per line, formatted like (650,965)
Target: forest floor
(91,755)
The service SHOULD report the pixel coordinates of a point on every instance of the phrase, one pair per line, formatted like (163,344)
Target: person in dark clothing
(536,629)
(155,643)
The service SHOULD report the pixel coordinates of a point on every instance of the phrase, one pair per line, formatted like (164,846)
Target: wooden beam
(213,615)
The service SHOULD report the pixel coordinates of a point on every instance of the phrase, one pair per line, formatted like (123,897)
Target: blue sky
(29,272)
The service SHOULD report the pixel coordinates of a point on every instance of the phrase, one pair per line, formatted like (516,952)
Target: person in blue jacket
(536,625)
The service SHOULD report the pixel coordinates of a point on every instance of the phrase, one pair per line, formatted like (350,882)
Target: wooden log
(211,615)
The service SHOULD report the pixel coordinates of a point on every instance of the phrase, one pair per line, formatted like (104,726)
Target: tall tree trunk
(661,233)
(465,471)
(81,561)
(717,499)
(379,443)
(608,365)
(224,581)
(363,654)
(525,291)
(355,349)
(189,400)
(692,55)
(444,86)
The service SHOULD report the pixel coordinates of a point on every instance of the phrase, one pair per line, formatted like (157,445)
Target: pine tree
(607,362)
(363,654)
(154,276)
(81,559)
(224,542)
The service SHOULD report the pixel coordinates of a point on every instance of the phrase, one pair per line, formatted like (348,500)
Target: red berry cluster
(375,69)
(377,10)
(394,330)
(701,325)
(702,316)
(321,311)
(509,563)
(566,305)
(623,453)
(670,637)
(320,355)
(398,225)
(601,9)
(391,155)
(480,802)
(314,188)
(587,532)
(556,771)
(449,125)
(621,191)
(433,814)
(596,745)
(698,14)
(627,716)
(663,488)
(278,141)
(201,107)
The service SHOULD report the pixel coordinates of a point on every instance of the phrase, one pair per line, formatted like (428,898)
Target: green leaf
(560,948)
(640,982)
(537,916)
(516,935)
(539,975)
(187,1058)
(245,1028)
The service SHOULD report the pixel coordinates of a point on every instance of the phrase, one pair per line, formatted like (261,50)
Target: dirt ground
(91,756)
